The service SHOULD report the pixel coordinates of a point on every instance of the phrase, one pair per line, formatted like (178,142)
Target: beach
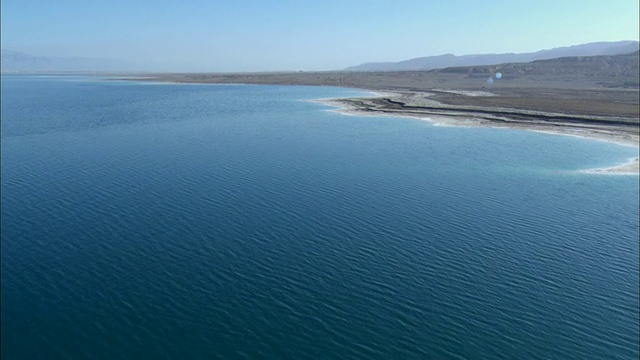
(594,107)
(630,167)
(420,106)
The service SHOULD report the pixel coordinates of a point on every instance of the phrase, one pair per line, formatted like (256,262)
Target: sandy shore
(630,168)
(580,105)
(590,127)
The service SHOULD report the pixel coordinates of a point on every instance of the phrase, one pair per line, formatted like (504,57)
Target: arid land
(591,98)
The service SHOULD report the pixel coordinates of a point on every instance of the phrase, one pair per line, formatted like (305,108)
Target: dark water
(166,221)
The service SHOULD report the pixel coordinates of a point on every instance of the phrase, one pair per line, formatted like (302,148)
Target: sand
(386,104)
(630,168)
(584,106)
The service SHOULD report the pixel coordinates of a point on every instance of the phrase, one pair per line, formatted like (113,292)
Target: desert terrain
(595,97)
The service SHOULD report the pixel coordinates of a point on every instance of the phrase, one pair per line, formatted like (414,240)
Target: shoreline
(629,168)
(437,116)
(572,107)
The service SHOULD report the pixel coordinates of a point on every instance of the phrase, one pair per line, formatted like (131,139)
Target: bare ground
(600,107)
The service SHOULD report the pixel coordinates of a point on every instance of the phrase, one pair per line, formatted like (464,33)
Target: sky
(253,35)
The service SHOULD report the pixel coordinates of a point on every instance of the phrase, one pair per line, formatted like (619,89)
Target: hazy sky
(252,35)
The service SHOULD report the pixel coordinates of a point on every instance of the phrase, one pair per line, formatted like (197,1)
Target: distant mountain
(19,62)
(621,71)
(449,60)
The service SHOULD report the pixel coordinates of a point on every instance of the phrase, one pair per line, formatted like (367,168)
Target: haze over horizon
(286,35)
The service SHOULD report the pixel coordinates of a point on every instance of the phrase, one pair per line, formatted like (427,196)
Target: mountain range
(450,60)
(20,62)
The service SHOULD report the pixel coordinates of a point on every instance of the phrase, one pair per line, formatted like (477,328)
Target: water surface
(190,221)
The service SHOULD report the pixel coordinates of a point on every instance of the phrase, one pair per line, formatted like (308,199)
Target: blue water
(164,221)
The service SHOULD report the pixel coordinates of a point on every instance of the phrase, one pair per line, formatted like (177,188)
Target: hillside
(450,60)
(608,71)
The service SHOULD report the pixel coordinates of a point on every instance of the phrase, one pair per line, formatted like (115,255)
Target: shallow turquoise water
(190,221)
